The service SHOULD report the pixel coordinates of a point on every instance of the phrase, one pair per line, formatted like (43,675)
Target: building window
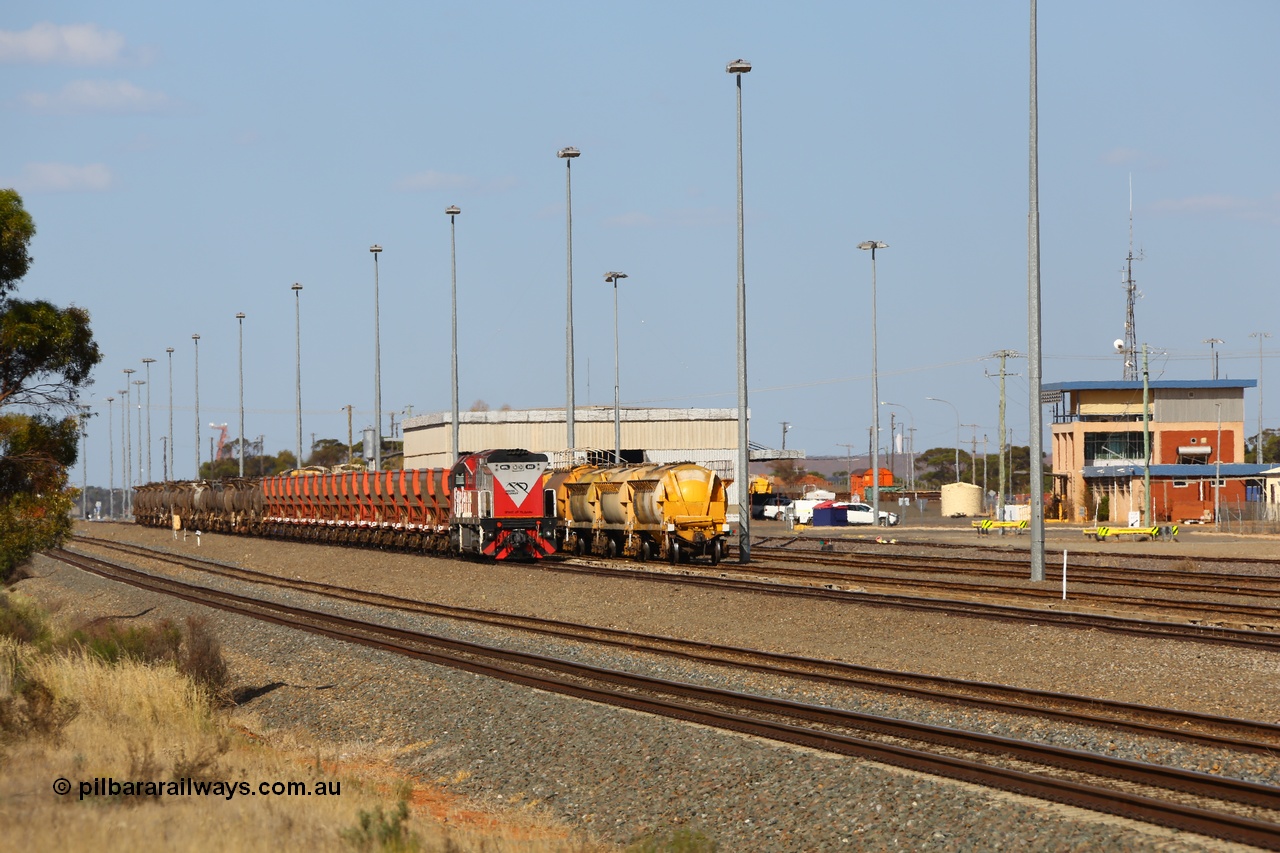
(1102,448)
(1179,484)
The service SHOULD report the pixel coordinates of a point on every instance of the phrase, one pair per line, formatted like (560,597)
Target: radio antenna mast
(1130,351)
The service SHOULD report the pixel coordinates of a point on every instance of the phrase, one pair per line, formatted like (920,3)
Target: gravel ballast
(620,774)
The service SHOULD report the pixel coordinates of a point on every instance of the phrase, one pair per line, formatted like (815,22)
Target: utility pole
(973,455)
(1260,336)
(350,436)
(911,458)
(786,428)
(892,470)
(1003,355)
(848,450)
(985,453)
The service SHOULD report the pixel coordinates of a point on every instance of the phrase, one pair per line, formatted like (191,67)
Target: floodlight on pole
(148,362)
(1213,354)
(196,341)
(872,245)
(168,468)
(1261,336)
(128,439)
(738,67)
(297,346)
(957,411)
(568,155)
(453,211)
(240,321)
(612,278)
(111,460)
(376,250)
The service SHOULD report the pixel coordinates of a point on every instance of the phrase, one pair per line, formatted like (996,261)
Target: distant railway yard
(872,689)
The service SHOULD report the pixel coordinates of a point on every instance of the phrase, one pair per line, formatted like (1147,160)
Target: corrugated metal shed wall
(1177,405)
(704,436)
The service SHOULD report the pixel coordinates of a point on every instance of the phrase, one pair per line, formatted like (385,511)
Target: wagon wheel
(646,551)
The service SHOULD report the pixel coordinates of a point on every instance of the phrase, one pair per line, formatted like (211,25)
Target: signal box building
(1196,434)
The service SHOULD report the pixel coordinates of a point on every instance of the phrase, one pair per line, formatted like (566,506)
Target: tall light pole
(612,278)
(124,432)
(139,383)
(377,367)
(1036,413)
(168,471)
(111,460)
(128,438)
(973,459)
(957,411)
(1217,473)
(85,414)
(453,210)
(568,155)
(872,245)
(240,322)
(148,362)
(737,68)
(911,449)
(1213,353)
(297,343)
(196,340)
(1260,336)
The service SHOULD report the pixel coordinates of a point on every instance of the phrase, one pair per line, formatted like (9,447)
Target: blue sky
(187,163)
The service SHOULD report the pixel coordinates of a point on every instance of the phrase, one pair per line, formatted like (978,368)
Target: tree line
(47,356)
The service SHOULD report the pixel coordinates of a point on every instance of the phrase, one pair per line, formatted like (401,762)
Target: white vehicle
(863,513)
(858,513)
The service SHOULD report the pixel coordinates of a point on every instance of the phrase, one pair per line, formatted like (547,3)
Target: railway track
(1016,556)
(1194,802)
(1000,566)
(1204,729)
(896,571)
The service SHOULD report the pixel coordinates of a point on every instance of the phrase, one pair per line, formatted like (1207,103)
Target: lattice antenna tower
(1130,351)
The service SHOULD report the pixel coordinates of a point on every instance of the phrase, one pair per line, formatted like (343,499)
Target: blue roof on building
(1136,384)
(1188,472)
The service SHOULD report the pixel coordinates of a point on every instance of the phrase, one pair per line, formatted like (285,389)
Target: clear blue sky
(184,163)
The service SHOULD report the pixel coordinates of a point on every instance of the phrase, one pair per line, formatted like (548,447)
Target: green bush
(23,621)
(385,833)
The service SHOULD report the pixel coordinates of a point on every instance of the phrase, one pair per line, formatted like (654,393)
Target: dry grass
(133,721)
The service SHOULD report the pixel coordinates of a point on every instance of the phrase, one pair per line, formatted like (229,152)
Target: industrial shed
(708,437)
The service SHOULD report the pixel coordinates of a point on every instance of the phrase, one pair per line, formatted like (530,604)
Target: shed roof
(1136,384)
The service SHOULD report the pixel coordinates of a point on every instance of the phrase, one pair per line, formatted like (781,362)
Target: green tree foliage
(788,471)
(1270,447)
(47,354)
(35,504)
(328,452)
(16,231)
(937,466)
(256,462)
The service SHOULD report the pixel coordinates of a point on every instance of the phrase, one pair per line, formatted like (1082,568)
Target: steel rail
(1111,800)
(1221,582)
(1175,724)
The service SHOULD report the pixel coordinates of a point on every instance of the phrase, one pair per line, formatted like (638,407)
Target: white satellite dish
(1118,344)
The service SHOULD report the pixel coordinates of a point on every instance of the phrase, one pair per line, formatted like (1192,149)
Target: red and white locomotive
(501,506)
